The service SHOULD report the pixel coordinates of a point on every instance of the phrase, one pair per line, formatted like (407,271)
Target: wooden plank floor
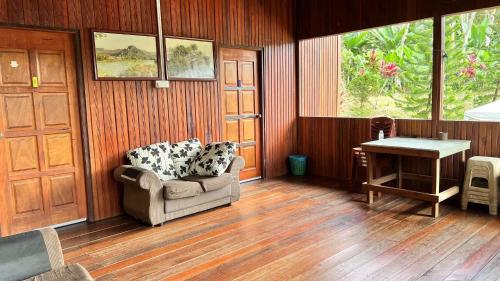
(295,229)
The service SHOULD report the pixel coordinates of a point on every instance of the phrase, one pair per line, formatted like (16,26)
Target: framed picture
(189,59)
(125,56)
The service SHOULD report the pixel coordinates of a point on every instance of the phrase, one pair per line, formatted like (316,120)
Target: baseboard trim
(252,179)
(68,223)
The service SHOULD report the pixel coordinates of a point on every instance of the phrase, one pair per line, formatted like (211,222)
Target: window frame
(438,75)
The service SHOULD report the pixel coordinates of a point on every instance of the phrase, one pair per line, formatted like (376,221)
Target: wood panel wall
(328,142)
(124,115)
(319,70)
(325,17)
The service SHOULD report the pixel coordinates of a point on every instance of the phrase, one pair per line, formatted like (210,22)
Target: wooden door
(41,168)
(241,108)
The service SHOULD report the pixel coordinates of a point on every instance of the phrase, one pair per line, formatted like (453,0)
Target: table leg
(400,172)
(436,176)
(376,173)
(462,166)
(369,174)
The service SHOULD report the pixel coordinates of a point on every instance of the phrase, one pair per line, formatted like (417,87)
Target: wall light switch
(160,84)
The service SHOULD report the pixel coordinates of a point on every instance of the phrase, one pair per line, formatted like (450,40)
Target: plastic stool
(486,168)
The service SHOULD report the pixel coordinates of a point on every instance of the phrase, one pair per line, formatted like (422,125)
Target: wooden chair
(358,157)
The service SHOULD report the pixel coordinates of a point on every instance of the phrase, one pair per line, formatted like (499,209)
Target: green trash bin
(298,164)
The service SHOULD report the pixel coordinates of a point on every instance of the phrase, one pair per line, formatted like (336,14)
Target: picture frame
(116,58)
(202,65)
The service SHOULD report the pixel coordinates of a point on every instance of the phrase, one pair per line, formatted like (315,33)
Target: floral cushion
(214,159)
(183,154)
(154,157)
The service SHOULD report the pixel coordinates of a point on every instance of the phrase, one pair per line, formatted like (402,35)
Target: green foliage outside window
(388,70)
(472,61)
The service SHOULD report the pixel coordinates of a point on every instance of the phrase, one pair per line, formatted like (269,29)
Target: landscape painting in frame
(189,59)
(121,56)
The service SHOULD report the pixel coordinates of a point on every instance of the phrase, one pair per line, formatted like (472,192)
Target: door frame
(260,68)
(82,104)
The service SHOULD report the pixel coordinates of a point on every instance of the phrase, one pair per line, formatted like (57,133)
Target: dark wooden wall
(124,115)
(327,17)
(319,70)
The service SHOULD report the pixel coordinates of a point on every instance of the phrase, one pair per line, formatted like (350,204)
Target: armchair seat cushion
(211,183)
(177,189)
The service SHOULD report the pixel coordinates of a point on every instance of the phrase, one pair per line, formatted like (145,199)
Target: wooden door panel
(54,110)
(62,190)
(248,153)
(248,130)
(18,112)
(58,150)
(41,161)
(231,98)
(14,68)
(248,102)
(231,73)
(240,107)
(22,154)
(51,68)
(233,131)
(27,196)
(247,74)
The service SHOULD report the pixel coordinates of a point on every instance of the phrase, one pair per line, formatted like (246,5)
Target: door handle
(1,135)
(35,82)
(258,115)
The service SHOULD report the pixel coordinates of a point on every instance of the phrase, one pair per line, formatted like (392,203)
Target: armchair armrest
(28,254)
(236,166)
(142,193)
(234,169)
(54,248)
(139,177)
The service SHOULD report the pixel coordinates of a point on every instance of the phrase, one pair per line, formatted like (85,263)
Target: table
(433,149)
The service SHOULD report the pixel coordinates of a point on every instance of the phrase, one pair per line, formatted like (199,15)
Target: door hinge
(35,82)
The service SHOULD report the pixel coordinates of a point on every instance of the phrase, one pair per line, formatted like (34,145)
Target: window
(388,71)
(471,66)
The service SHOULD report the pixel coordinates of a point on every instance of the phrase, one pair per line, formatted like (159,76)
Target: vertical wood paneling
(319,76)
(4,15)
(124,115)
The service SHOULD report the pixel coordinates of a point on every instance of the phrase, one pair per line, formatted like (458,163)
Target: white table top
(412,146)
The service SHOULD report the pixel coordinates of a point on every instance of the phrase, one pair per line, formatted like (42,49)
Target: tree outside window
(472,64)
(388,71)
